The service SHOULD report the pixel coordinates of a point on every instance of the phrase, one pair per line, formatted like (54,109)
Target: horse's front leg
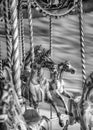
(64,104)
(50,100)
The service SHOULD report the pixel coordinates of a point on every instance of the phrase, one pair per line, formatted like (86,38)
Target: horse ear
(67,61)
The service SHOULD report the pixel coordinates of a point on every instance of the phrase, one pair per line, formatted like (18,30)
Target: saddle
(31,116)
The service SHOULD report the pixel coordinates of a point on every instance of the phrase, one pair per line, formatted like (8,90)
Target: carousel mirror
(56,8)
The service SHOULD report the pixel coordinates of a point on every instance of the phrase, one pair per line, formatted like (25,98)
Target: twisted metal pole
(7,30)
(20,43)
(21,29)
(31,31)
(82,46)
(50,47)
(50,28)
(27,60)
(16,60)
(0,61)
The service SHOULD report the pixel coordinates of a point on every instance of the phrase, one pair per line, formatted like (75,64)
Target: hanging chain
(31,31)
(82,41)
(16,60)
(7,30)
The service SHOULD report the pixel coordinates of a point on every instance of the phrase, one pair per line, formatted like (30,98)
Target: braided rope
(31,31)
(16,60)
(22,30)
(82,42)
(0,61)
(7,30)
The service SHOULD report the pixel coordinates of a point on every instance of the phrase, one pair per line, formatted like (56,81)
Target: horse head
(66,67)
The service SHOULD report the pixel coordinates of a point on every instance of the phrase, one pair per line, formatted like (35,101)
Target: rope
(16,60)
(22,30)
(0,61)
(7,30)
(82,42)
(31,31)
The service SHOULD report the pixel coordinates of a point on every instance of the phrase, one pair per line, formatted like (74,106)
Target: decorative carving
(55,8)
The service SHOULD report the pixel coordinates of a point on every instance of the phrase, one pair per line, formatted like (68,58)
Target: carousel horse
(37,87)
(57,84)
(82,107)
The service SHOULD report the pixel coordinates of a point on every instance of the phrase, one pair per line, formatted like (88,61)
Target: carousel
(23,86)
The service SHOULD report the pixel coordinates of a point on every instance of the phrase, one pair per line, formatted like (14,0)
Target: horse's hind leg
(50,100)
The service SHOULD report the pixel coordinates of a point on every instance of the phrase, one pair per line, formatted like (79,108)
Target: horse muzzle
(3,117)
(72,71)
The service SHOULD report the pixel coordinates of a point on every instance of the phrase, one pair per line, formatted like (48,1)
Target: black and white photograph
(46,64)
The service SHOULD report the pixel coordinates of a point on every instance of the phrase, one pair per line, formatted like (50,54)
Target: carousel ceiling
(56,8)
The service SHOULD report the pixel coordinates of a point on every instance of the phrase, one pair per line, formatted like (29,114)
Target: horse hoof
(61,123)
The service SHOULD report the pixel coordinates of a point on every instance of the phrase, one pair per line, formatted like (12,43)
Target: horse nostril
(72,71)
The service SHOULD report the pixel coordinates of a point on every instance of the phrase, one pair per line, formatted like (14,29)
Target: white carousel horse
(82,107)
(56,85)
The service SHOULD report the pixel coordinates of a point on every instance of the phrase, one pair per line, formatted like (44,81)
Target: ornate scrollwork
(55,8)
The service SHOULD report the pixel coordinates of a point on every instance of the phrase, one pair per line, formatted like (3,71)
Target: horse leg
(33,96)
(66,94)
(66,126)
(50,100)
(44,123)
(63,102)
